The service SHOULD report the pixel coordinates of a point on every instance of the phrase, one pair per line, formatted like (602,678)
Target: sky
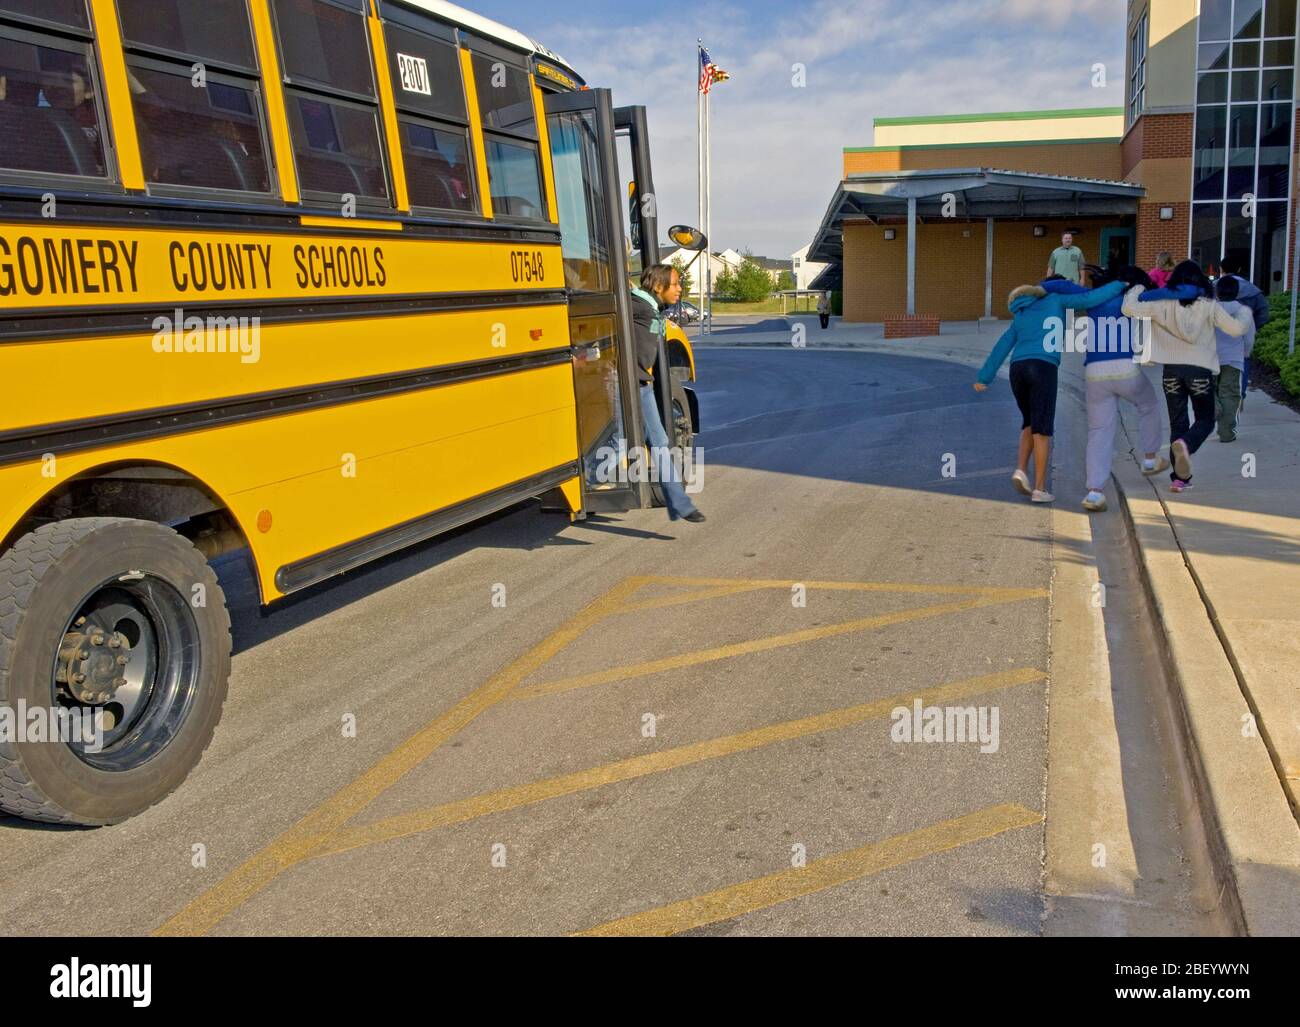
(777,148)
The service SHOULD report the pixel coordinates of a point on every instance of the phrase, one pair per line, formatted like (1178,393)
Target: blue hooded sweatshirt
(1116,336)
(1038,319)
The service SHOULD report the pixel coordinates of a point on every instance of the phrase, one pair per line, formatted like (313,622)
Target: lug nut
(79,679)
(81,621)
(96,639)
(117,683)
(122,661)
(115,643)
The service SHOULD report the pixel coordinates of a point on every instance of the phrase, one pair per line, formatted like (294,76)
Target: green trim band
(958,119)
(1109,140)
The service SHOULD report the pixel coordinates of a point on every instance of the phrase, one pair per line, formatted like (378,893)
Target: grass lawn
(771,305)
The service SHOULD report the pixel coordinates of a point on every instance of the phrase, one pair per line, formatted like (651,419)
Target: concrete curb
(1253,836)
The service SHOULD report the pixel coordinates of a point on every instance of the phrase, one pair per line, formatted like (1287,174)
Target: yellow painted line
(353,223)
(388,108)
(746,648)
(829,872)
(476,134)
(273,90)
(301,840)
(682,599)
(121,112)
(419,821)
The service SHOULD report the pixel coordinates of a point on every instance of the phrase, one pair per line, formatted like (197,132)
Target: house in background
(805,270)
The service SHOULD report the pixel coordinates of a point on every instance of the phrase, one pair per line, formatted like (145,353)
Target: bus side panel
(335,474)
(148,371)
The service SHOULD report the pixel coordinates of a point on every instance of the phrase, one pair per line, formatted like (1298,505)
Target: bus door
(581,129)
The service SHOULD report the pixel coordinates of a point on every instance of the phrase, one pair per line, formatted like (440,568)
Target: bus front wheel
(114,662)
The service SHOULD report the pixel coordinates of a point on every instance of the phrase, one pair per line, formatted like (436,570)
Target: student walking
(824,310)
(660,287)
(1112,374)
(1233,353)
(1164,268)
(1181,321)
(1034,342)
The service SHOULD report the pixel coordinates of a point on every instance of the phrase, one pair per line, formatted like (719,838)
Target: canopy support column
(911,256)
(988,267)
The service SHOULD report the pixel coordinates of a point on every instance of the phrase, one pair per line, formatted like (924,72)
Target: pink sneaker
(1180,486)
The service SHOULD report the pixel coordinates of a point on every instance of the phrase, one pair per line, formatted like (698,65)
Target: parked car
(684,312)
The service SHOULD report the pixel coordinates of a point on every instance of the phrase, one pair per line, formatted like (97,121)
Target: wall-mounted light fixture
(1166,213)
(890,235)
(1040,231)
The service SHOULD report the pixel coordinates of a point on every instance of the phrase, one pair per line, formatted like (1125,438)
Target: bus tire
(130,588)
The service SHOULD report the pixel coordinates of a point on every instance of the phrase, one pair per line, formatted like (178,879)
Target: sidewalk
(1221,565)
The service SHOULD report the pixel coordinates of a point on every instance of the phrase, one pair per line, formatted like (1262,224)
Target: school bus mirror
(688,238)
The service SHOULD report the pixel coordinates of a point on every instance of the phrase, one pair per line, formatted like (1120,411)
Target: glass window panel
(1210,153)
(1242,121)
(1246,19)
(1271,237)
(325,44)
(438,171)
(504,97)
(1207,233)
(1212,88)
(1212,56)
(203,138)
(1245,85)
(1245,55)
(59,12)
(1279,53)
(1216,19)
(1279,18)
(1237,240)
(49,113)
(1275,84)
(1274,145)
(337,148)
(516,180)
(216,30)
(426,74)
(584,230)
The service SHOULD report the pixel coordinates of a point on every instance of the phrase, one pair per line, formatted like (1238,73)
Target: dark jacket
(1249,295)
(644,320)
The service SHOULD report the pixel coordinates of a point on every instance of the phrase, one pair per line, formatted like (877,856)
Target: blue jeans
(679,503)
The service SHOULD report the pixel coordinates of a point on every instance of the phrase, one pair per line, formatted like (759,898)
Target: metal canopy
(979,193)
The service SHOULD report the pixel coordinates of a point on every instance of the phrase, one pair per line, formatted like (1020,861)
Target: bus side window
(192,69)
(510,136)
(50,115)
(431,114)
(333,105)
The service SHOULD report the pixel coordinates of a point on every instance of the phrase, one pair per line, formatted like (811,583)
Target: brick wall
(1154,235)
(949,266)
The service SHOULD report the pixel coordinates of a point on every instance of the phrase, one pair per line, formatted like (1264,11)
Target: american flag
(709,72)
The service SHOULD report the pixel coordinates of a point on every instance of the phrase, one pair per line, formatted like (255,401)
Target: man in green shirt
(1067,260)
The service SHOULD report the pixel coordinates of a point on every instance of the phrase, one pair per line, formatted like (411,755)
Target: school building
(942,216)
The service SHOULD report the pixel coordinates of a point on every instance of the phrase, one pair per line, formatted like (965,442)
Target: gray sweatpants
(1104,395)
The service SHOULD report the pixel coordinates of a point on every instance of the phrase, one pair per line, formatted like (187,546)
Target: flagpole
(708,197)
(699,167)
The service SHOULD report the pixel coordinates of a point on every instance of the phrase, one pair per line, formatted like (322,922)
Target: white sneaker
(1152,467)
(1042,497)
(1020,480)
(1095,501)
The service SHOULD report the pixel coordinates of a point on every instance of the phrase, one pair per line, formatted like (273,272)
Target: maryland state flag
(709,72)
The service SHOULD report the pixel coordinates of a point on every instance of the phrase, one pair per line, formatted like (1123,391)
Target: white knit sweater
(1174,334)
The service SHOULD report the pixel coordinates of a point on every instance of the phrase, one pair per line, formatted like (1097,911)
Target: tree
(725,284)
(749,283)
(687,284)
(785,282)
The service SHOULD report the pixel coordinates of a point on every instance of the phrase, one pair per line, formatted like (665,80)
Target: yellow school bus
(320,279)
